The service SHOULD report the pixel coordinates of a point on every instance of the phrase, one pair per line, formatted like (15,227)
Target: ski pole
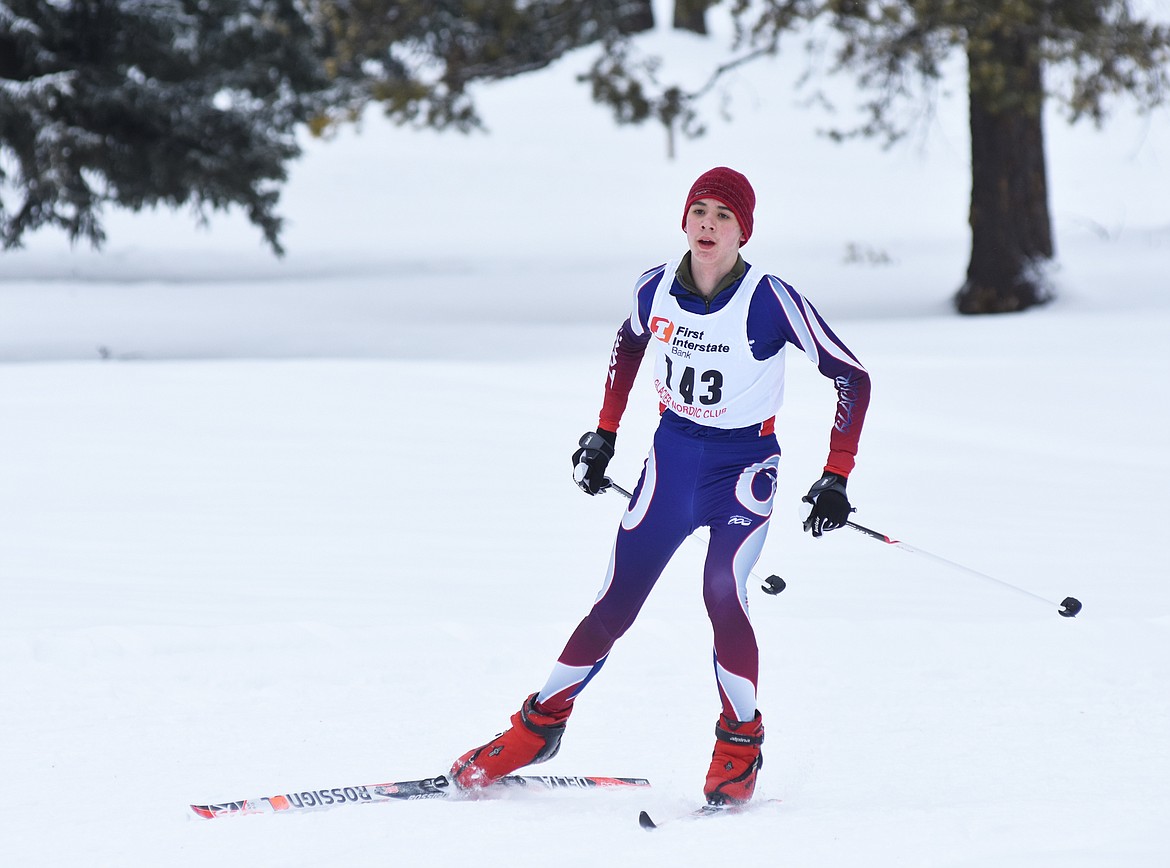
(1069,606)
(772,585)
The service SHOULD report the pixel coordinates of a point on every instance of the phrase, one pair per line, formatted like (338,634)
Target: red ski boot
(535,736)
(737,758)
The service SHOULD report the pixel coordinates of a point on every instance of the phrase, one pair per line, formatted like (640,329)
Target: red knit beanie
(729,187)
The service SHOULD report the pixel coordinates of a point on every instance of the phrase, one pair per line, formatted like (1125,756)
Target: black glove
(830,506)
(590,461)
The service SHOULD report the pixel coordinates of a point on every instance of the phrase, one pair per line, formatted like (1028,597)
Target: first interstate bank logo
(682,340)
(662,328)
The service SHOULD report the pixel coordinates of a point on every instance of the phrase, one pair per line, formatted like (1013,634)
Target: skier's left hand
(829,505)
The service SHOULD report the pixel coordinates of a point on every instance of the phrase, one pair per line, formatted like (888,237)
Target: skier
(717,327)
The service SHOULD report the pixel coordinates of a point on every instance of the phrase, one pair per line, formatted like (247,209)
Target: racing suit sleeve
(624,361)
(784,316)
(629,347)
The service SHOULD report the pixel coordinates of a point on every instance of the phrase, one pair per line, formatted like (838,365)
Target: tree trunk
(637,16)
(1011,232)
(692,15)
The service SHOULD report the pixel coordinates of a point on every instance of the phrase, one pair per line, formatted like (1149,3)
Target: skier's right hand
(591,459)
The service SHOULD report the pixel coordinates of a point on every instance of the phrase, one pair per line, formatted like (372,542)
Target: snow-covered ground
(280,525)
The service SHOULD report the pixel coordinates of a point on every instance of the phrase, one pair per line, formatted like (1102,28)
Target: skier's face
(713,233)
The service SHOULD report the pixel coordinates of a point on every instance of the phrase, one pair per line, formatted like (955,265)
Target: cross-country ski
(400,791)
(704,812)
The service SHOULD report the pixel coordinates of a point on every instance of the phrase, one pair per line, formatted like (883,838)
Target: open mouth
(706,243)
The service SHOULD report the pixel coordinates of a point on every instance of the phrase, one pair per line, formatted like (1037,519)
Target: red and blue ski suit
(719,367)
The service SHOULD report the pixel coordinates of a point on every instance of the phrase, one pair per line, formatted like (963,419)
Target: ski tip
(645,822)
